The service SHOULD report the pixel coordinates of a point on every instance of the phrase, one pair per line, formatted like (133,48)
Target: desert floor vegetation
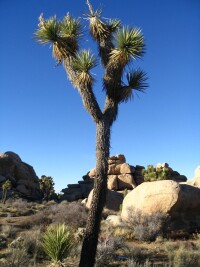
(50,234)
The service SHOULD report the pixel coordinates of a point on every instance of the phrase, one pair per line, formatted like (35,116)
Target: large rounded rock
(22,176)
(151,197)
(113,200)
(180,201)
(14,156)
(194,182)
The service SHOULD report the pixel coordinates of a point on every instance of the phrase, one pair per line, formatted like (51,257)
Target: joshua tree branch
(89,100)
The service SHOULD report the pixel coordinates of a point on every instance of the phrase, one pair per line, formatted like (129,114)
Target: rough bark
(90,241)
(87,94)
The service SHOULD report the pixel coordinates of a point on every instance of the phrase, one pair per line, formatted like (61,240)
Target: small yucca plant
(57,242)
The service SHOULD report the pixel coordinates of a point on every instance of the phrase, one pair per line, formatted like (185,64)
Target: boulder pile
(121,176)
(22,176)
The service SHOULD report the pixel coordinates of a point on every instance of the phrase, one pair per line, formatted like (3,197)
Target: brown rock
(165,165)
(194,182)
(126,181)
(22,176)
(113,200)
(126,168)
(180,201)
(112,182)
(114,169)
(118,159)
(92,173)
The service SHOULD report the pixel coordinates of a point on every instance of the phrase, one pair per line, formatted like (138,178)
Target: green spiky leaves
(129,44)
(136,81)
(63,35)
(71,27)
(114,24)
(83,63)
(49,30)
(57,242)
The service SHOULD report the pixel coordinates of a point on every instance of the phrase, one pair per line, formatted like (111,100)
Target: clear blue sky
(42,118)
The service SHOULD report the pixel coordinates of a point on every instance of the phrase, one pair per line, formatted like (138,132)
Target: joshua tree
(117,46)
(5,187)
(47,187)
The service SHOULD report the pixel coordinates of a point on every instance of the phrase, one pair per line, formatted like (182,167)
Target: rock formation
(196,180)
(121,176)
(180,201)
(22,176)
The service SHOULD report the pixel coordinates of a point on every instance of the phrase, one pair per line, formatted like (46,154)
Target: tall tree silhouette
(118,46)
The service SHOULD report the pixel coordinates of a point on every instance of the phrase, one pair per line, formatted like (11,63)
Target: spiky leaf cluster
(114,24)
(57,242)
(63,35)
(71,27)
(129,43)
(49,30)
(136,82)
(82,64)
(98,28)
(84,61)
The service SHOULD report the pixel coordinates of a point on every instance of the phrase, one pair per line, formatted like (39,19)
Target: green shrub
(155,174)
(57,242)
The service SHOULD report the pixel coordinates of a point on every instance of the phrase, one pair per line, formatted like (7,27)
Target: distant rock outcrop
(196,180)
(121,176)
(22,176)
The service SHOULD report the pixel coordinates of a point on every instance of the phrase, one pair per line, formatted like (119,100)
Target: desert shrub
(9,230)
(147,263)
(73,214)
(21,207)
(41,218)
(152,173)
(138,255)
(3,241)
(123,232)
(18,256)
(183,254)
(147,227)
(133,263)
(106,249)
(32,242)
(57,242)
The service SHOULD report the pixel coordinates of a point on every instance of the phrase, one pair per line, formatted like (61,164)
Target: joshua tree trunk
(99,194)
(4,196)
